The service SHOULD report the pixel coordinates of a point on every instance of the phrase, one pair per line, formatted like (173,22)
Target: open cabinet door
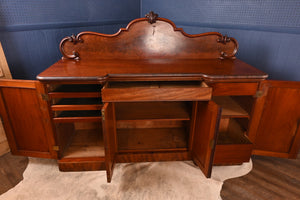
(26,118)
(206,128)
(109,136)
(278,133)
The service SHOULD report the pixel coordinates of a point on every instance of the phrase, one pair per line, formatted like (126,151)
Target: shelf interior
(85,143)
(152,110)
(152,139)
(230,107)
(78,113)
(76,88)
(77,101)
(232,132)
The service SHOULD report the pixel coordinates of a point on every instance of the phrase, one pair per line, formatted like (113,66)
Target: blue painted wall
(30,31)
(268,31)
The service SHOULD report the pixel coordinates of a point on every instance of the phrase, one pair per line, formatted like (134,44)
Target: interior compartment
(233,145)
(78,113)
(153,110)
(80,140)
(153,126)
(74,88)
(152,139)
(76,101)
(232,132)
(232,106)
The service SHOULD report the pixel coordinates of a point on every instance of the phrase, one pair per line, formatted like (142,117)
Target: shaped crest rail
(150,37)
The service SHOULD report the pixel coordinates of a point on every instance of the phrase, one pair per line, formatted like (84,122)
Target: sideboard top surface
(66,69)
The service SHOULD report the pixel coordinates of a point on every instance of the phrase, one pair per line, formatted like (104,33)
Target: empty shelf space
(231,132)
(85,143)
(151,123)
(152,110)
(77,88)
(82,113)
(74,116)
(230,108)
(75,91)
(152,139)
(78,101)
(77,104)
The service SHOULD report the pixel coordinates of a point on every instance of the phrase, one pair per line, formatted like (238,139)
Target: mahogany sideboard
(150,92)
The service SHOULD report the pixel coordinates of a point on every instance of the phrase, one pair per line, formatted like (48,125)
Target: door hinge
(259,94)
(55,148)
(45,97)
(103,115)
(211,143)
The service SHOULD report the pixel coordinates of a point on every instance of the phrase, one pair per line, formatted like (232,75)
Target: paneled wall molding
(31,27)
(276,29)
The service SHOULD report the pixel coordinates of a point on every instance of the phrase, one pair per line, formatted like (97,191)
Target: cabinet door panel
(278,130)
(109,136)
(205,134)
(26,120)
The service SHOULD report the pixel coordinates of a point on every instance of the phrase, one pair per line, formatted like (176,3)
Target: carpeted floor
(155,180)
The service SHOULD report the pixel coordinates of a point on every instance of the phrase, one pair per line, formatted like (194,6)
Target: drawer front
(232,154)
(231,89)
(173,93)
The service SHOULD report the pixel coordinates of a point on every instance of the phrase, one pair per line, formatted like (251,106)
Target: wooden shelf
(78,101)
(77,104)
(152,139)
(230,108)
(152,110)
(85,143)
(77,116)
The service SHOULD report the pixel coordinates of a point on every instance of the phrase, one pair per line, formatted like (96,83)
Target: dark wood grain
(205,134)
(232,154)
(156,91)
(232,89)
(82,164)
(109,136)
(118,69)
(140,40)
(278,133)
(26,119)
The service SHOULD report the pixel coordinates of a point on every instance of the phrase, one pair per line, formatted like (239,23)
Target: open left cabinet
(26,119)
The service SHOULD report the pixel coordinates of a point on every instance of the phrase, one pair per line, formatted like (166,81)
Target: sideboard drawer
(224,89)
(156,91)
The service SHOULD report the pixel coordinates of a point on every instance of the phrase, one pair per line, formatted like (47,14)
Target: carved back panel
(149,38)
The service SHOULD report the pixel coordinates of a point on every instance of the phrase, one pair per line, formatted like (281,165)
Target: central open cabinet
(159,121)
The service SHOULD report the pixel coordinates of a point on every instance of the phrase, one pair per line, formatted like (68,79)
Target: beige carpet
(135,181)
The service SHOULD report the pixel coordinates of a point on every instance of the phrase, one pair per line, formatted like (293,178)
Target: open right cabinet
(265,123)
(277,119)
